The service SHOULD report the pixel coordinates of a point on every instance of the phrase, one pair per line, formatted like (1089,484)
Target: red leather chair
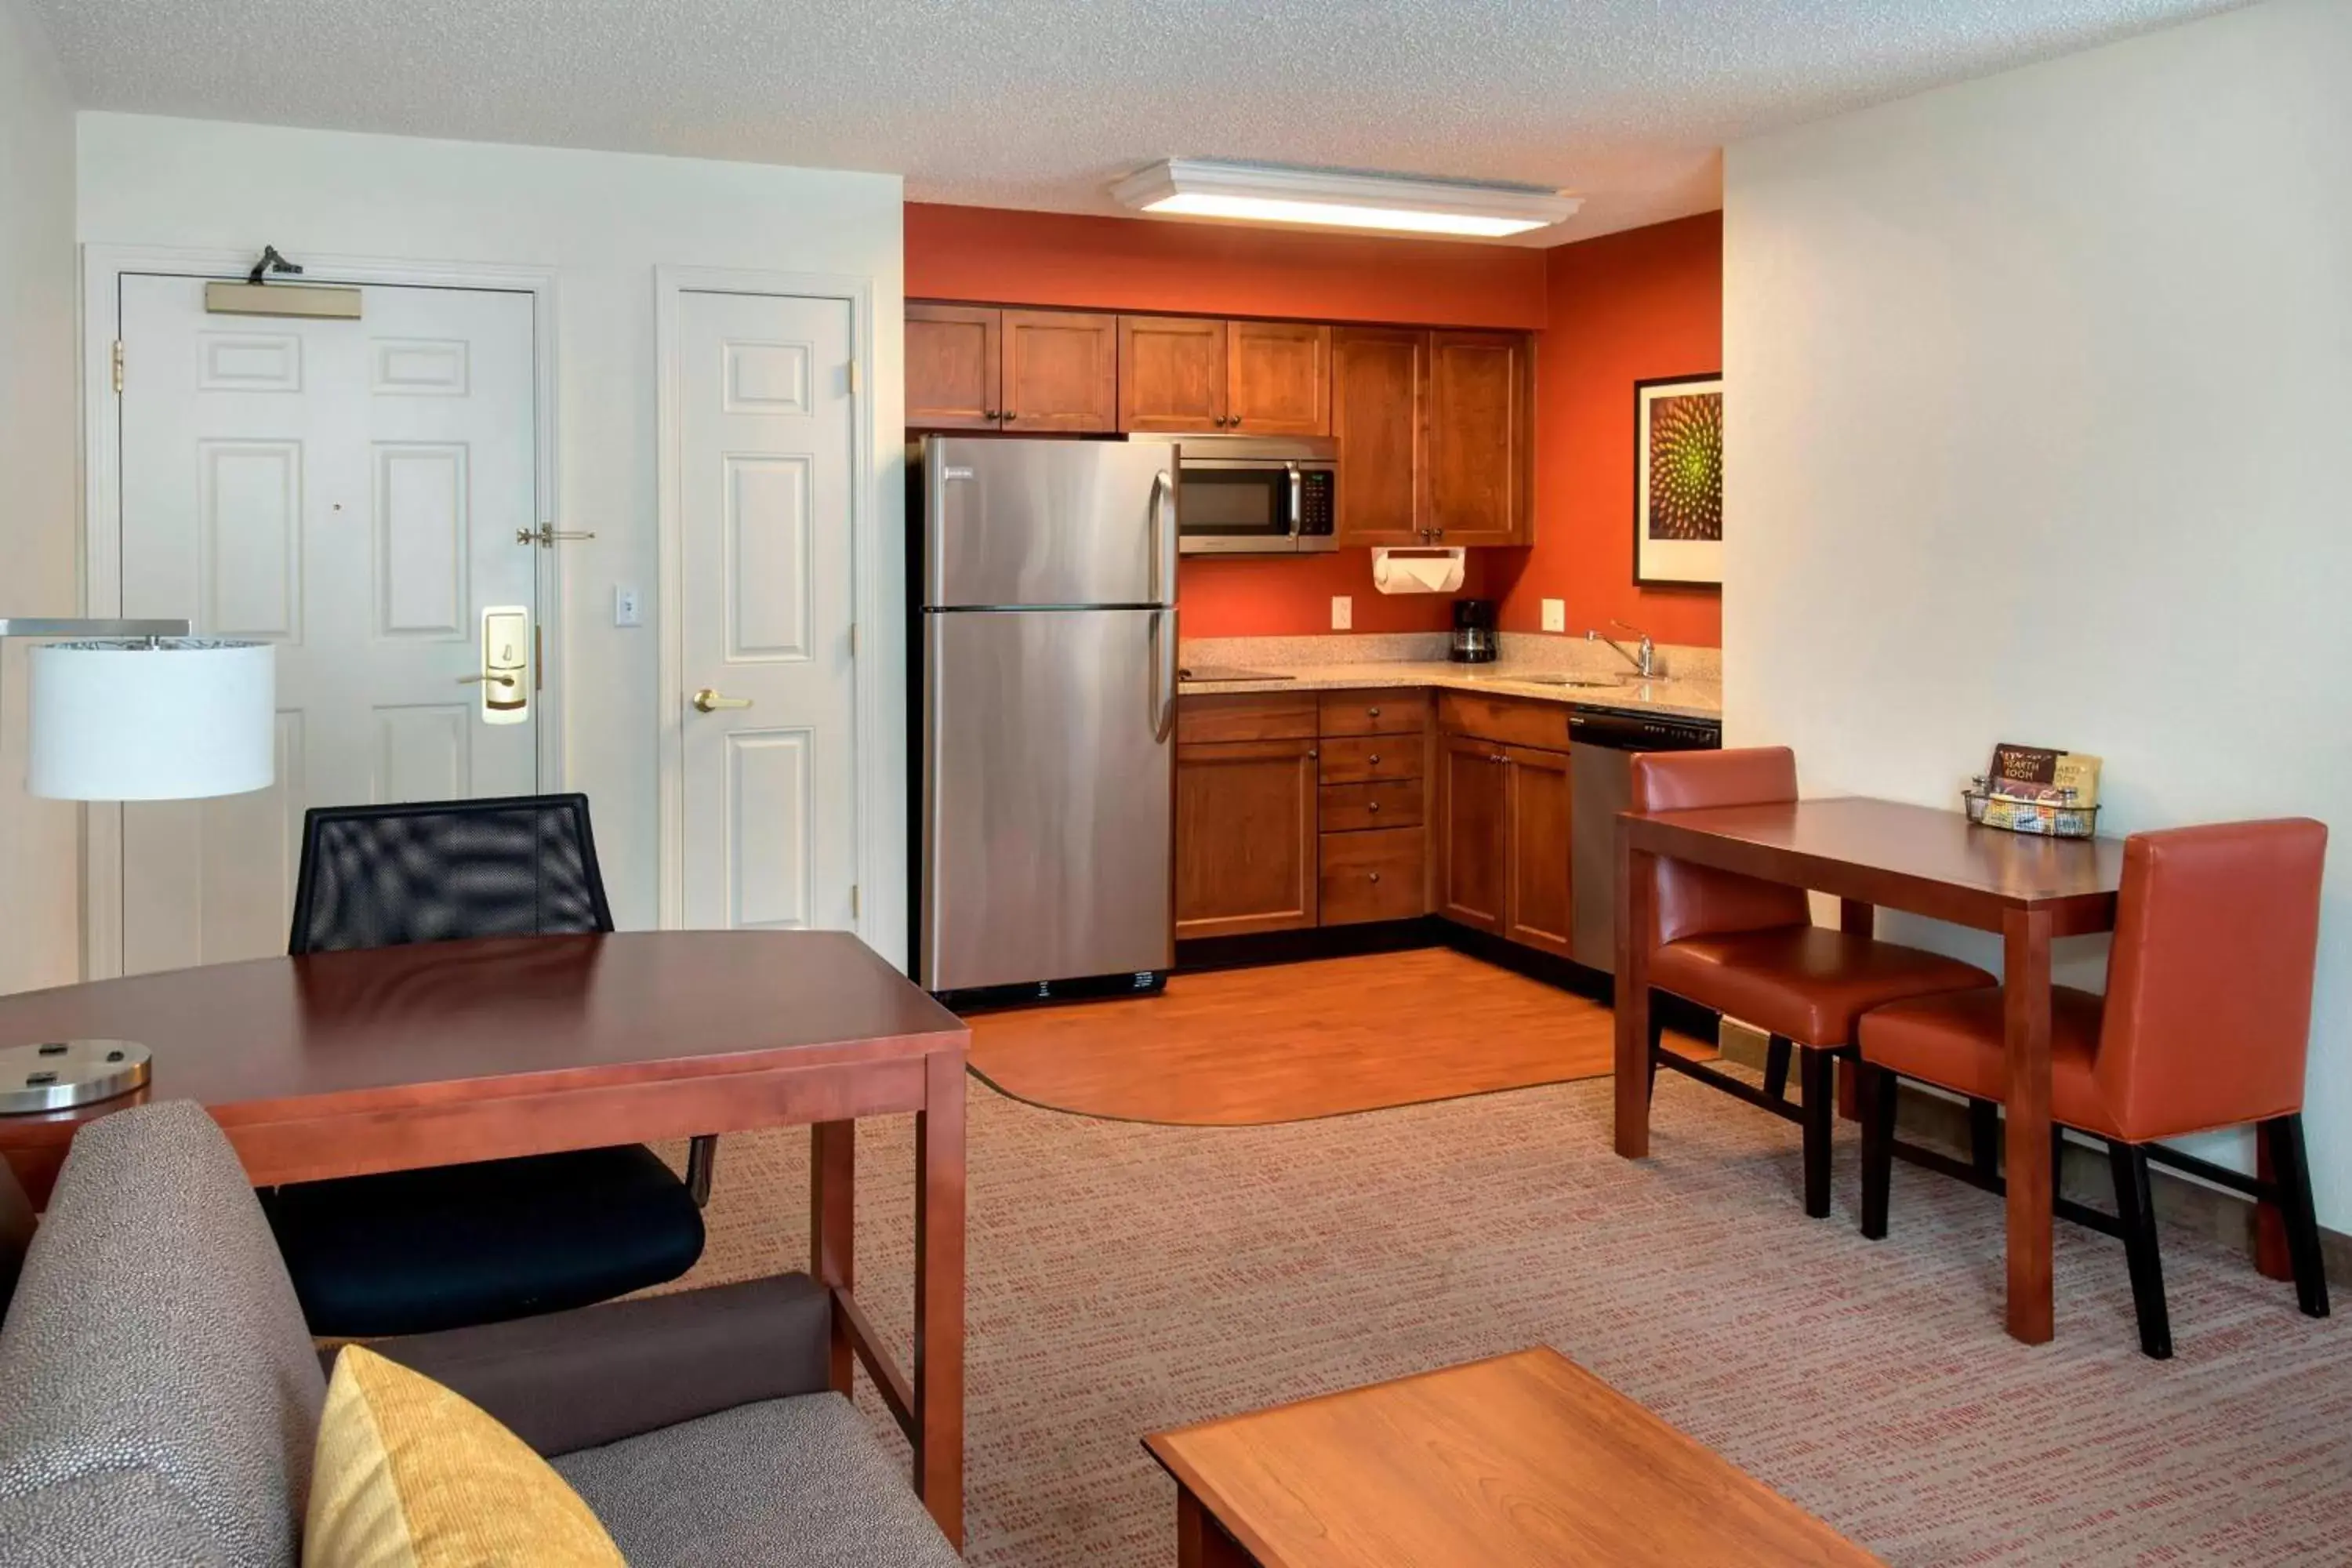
(1750,949)
(2204,1025)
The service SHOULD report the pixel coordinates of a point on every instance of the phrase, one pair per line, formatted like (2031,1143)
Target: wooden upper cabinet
(954,366)
(1481,463)
(1378,380)
(1277,378)
(1172,374)
(1061,370)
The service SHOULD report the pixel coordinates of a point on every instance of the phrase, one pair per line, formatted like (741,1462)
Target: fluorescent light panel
(1268,192)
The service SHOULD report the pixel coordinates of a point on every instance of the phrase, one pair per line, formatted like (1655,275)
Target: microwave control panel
(1314,508)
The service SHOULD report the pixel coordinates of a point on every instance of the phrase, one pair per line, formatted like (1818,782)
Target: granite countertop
(1687,698)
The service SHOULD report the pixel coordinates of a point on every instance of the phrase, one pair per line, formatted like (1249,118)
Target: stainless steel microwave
(1255,495)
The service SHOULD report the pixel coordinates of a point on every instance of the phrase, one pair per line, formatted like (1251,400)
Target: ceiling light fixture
(1274,192)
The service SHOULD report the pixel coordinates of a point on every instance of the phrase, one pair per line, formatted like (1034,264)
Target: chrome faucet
(1645,659)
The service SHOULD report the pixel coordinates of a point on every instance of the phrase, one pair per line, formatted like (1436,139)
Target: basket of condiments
(2034,789)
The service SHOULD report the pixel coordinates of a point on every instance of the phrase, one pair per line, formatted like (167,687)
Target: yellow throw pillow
(409,1475)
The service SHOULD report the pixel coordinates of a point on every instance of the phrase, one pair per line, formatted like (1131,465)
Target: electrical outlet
(1343,612)
(626,611)
(1555,615)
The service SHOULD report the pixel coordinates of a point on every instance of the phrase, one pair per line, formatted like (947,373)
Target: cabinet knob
(1009,415)
(1373,806)
(1235,421)
(1313,753)
(989,413)
(1376,876)
(1371,713)
(1375,757)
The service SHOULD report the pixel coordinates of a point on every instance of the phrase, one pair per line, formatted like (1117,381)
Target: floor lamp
(123,711)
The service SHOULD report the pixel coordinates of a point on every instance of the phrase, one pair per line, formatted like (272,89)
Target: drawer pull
(1375,757)
(1371,713)
(1371,806)
(1376,876)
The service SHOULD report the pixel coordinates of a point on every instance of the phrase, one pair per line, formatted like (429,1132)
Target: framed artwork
(1678,481)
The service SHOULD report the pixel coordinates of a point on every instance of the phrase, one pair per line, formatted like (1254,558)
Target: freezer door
(1048,795)
(1048,522)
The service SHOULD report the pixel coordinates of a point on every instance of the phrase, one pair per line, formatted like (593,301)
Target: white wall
(39,535)
(604,221)
(2041,430)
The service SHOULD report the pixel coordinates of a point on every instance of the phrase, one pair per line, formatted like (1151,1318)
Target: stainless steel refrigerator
(1047,694)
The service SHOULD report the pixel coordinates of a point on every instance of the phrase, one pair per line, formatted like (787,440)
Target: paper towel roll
(1424,571)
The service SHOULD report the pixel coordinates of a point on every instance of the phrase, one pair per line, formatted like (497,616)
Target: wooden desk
(1875,852)
(1524,1461)
(343,1063)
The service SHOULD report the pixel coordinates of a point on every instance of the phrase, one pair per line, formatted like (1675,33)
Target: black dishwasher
(1601,741)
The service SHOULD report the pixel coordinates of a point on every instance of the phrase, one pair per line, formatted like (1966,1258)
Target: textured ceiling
(1041,103)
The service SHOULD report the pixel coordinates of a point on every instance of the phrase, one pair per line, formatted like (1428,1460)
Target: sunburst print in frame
(1678,481)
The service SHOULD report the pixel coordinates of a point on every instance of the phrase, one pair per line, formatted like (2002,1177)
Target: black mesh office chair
(415,1251)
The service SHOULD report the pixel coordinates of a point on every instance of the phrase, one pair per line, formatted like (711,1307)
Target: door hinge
(852,378)
(853,901)
(118,364)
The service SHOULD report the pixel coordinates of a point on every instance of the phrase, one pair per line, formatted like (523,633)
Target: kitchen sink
(1574,682)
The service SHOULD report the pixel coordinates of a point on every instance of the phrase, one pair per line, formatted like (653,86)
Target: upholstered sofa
(159,1396)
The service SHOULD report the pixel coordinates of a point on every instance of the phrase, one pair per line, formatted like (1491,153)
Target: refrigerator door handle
(1164,679)
(1163,538)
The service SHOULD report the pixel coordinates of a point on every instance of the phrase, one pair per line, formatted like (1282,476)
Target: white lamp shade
(168,718)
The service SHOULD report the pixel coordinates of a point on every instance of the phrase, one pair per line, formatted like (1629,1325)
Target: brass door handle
(485,679)
(709,701)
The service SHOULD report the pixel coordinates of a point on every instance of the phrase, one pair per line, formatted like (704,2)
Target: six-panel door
(349,491)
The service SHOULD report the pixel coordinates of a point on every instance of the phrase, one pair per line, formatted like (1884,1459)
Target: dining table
(1880,854)
(393,1058)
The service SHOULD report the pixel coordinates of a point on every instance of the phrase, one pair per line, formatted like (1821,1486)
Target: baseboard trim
(2083,1176)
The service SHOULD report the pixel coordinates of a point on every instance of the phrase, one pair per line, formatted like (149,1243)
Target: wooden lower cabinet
(1376,875)
(1503,841)
(1536,909)
(1473,832)
(1293,812)
(1246,840)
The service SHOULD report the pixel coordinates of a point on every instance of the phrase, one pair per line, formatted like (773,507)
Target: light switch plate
(1555,615)
(626,612)
(1343,613)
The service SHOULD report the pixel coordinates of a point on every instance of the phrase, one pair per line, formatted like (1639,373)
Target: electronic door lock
(506,676)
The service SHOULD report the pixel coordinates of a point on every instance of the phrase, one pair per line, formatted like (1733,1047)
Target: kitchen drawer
(1388,802)
(1400,712)
(1366,757)
(1375,876)
(1511,721)
(1245,716)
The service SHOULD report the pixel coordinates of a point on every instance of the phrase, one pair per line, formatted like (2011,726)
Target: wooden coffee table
(1524,1461)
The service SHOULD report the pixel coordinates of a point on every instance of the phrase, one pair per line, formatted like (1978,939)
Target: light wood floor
(1291,1042)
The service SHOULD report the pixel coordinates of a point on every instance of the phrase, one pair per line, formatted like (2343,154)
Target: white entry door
(766,456)
(350,491)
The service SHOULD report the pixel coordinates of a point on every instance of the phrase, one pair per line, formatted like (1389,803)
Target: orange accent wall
(1623,308)
(1608,311)
(1079,262)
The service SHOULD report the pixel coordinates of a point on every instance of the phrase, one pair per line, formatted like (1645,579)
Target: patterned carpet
(1124,1278)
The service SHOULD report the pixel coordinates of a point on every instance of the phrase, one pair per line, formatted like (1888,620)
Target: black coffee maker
(1474,632)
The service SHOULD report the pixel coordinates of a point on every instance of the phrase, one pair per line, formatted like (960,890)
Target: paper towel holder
(1448,561)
